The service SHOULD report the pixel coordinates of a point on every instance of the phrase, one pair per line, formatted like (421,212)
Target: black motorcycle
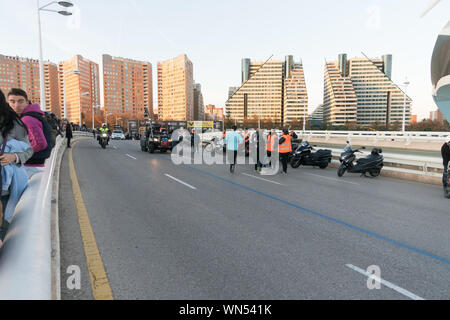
(103,139)
(371,164)
(303,155)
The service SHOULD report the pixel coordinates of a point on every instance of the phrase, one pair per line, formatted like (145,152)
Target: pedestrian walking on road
(255,143)
(285,148)
(445,151)
(69,134)
(233,141)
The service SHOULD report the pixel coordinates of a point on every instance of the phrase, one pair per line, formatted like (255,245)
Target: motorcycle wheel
(103,146)
(323,166)
(341,171)
(375,173)
(151,149)
(295,163)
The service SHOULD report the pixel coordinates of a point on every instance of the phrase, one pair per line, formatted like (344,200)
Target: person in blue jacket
(233,140)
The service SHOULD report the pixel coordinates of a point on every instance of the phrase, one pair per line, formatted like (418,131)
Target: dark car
(156,140)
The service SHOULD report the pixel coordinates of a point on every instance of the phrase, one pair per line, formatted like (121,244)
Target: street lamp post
(65,4)
(405,84)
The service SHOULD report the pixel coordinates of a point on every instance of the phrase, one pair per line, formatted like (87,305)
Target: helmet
(104,125)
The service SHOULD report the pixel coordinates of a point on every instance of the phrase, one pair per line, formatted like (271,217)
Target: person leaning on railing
(16,135)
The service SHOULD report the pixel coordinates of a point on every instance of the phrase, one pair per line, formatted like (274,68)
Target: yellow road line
(101,289)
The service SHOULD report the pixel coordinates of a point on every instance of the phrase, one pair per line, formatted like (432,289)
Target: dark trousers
(258,162)
(5,224)
(233,161)
(68,142)
(445,177)
(284,157)
(269,155)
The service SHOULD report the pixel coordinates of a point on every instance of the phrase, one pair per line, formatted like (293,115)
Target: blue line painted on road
(397,243)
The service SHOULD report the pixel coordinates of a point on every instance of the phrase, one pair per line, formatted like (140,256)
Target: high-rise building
(274,90)
(23,73)
(295,93)
(436,116)
(51,82)
(318,113)
(316,118)
(213,114)
(127,86)
(79,89)
(231,91)
(361,90)
(199,107)
(176,89)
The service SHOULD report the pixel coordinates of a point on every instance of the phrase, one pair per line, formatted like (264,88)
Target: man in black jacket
(445,151)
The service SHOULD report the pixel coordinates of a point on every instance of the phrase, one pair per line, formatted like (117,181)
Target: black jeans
(232,161)
(284,160)
(5,224)
(445,177)
(68,142)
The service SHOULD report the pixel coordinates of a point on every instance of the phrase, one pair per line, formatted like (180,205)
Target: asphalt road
(198,232)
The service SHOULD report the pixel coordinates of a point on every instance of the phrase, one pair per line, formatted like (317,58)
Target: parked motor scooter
(303,156)
(371,164)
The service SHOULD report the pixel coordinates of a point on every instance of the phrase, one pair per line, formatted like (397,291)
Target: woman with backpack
(12,129)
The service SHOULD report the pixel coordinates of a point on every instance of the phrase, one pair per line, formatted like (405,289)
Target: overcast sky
(216,35)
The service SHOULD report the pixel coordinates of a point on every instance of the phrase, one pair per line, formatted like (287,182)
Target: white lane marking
(386,283)
(249,175)
(115,147)
(328,178)
(177,180)
(131,157)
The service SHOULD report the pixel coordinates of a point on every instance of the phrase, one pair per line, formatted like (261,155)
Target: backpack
(48,133)
(53,124)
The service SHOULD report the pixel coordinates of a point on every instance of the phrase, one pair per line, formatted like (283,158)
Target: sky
(216,35)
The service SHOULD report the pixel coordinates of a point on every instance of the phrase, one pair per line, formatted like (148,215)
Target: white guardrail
(407,137)
(371,135)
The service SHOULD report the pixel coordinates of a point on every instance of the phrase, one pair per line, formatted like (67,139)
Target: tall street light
(65,4)
(405,84)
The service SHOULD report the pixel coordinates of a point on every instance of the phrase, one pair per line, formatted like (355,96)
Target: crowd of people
(27,139)
(234,141)
(283,144)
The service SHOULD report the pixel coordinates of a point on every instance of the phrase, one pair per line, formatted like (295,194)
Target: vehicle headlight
(155,140)
(104,135)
